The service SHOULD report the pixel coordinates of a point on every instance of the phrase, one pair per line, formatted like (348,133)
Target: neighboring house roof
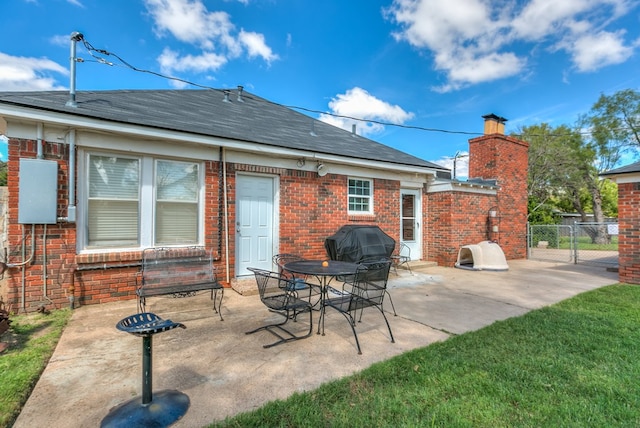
(629,169)
(211,113)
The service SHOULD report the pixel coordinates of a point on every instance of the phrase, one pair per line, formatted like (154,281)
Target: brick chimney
(495,156)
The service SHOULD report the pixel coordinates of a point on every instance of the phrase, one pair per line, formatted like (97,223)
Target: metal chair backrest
(282,259)
(268,282)
(370,282)
(404,251)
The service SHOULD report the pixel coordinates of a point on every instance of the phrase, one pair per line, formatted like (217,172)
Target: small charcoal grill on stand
(167,406)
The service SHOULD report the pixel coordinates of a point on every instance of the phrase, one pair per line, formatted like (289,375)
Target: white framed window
(177,189)
(141,201)
(360,194)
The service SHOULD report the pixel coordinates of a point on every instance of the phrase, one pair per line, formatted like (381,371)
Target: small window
(360,196)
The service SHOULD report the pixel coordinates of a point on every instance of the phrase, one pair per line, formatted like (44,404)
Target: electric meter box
(38,191)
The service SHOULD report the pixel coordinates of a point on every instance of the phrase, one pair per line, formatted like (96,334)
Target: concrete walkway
(224,372)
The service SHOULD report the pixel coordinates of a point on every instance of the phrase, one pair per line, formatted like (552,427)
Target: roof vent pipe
(75,37)
(226,95)
(353,129)
(240,89)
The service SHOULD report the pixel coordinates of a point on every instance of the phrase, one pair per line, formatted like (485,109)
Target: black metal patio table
(325,271)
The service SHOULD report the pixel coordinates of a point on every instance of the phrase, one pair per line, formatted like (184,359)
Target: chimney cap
(494,117)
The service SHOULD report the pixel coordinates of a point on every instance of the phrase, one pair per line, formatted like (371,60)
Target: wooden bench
(180,272)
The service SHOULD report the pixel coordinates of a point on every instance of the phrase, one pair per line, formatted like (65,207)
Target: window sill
(362,217)
(112,256)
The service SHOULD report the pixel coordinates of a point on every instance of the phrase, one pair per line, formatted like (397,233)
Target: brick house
(628,181)
(94,180)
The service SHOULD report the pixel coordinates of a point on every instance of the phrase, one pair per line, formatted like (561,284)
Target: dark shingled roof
(629,169)
(206,113)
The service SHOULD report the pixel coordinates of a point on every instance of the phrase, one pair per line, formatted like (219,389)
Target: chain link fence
(588,243)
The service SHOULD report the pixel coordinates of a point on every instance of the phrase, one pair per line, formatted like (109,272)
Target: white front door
(254,223)
(410,218)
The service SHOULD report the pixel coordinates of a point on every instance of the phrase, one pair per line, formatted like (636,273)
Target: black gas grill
(355,243)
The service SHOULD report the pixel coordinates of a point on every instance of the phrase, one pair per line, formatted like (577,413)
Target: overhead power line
(101,60)
(96,53)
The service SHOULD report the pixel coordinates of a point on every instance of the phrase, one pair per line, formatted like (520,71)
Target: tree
(616,119)
(3,173)
(565,163)
(614,124)
(554,169)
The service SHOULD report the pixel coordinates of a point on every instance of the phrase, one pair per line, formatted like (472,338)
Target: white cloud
(358,103)
(170,60)
(190,22)
(459,165)
(60,40)
(256,46)
(593,51)
(467,68)
(479,41)
(28,74)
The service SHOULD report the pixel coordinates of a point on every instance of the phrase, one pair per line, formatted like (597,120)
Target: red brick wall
(89,278)
(311,209)
(455,219)
(505,159)
(629,232)
(60,238)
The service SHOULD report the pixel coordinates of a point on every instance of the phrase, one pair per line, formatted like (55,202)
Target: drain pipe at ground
(226,215)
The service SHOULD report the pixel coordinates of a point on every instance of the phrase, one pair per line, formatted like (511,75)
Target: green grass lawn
(584,243)
(31,340)
(574,364)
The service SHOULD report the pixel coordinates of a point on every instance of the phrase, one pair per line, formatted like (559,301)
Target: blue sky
(430,67)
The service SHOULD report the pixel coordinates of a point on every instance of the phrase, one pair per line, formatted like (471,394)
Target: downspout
(226,215)
(44,263)
(71,206)
(40,138)
(71,211)
(71,203)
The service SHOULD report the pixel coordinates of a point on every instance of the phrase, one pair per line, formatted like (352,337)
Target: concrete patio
(224,372)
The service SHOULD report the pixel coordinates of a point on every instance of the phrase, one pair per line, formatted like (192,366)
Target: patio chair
(299,281)
(366,263)
(367,290)
(283,300)
(282,259)
(402,257)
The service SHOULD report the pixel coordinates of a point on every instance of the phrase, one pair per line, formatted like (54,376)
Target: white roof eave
(82,122)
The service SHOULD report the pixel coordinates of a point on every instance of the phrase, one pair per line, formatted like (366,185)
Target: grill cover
(354,243)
